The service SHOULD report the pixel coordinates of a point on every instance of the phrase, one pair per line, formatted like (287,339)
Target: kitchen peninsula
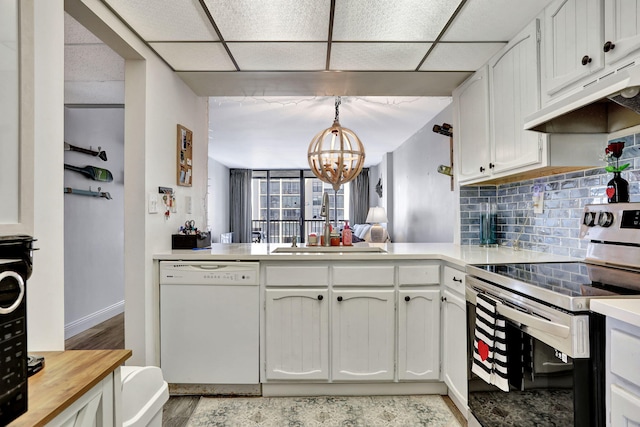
(372,319)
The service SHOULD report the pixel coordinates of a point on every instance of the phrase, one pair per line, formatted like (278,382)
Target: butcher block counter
(67,379)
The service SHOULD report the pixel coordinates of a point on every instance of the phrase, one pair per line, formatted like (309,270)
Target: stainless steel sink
(324,249)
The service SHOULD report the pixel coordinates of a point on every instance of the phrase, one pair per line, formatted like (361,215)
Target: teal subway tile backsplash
(556,230)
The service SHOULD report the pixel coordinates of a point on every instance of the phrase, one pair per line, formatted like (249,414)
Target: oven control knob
(589,219)
(605,219)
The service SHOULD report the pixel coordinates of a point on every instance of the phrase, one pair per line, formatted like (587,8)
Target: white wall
(45,300)
(94,227)
(424,207)
(156,101)
(218,211)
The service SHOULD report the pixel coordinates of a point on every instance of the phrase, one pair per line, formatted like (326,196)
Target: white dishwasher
(209,322)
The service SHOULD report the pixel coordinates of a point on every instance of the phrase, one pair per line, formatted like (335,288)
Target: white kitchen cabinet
(419,334)
(621,29)
(622,373)
(514,94)
(297,334)
(471,127)
(454,332)
(362,334)
(573,43)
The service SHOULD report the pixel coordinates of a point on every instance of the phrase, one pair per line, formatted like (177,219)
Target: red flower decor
(614,150)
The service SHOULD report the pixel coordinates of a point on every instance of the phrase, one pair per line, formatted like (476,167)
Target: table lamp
(375,216)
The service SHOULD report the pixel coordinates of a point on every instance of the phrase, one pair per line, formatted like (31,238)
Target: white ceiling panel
(459,56)
(275,20)
(493,20)
(377,56)
(275,132)
(279,56)
(166,20)
(383,20)
(74,33)
(195,56)
(85,62)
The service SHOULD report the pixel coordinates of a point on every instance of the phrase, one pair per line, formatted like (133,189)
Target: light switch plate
(538,203)
(153,203)
(188,205)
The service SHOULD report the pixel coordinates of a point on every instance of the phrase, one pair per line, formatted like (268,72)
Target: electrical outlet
(538,203)
(153,203)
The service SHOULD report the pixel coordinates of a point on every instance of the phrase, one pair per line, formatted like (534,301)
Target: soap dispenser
(347,236)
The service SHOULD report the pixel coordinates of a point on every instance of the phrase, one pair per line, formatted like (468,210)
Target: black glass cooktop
(573,279)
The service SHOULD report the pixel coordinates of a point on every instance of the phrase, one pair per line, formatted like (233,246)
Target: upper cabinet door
(573,42)
(621,29)
(471,127)
(514,94)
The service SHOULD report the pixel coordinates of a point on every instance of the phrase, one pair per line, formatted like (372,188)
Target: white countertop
(460,255)
(624,309)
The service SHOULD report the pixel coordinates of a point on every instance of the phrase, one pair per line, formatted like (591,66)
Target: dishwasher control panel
(209,273)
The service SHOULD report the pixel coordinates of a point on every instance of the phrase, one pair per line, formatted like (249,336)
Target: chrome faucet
(326,233)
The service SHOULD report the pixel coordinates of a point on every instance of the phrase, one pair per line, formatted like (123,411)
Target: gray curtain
(359,199)
(240,205)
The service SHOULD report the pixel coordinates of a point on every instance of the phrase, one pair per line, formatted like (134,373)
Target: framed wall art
(185,153)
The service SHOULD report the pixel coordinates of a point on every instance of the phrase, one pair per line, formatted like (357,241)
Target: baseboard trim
(214,389)
(91,320)
(359,389)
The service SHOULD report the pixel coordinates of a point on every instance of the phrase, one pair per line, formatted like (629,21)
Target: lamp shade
(377,215)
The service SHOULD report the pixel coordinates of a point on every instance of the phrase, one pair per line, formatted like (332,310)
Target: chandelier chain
(338,102)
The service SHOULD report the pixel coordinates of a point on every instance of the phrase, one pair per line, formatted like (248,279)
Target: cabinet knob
(443,299)
(586,59)
(491,166)
(407,298)
(481,169)
(608,46)
(320,297)
(339,298)
(455,279)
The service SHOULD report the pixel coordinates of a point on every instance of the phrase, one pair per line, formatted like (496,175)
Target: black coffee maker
(16,266)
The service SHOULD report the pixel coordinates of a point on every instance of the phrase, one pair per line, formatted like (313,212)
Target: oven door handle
(531,321)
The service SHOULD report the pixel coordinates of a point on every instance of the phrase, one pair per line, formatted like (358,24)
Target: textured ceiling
(368,51)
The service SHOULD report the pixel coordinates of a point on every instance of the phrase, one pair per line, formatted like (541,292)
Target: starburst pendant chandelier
(336,154)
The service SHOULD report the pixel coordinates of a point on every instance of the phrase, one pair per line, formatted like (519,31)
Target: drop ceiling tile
(459,56)
(86,62)
(279,56)
(383,20)
(377,56)
(195,56)
(166,20)
(275,20)
(493,20)
(75,33)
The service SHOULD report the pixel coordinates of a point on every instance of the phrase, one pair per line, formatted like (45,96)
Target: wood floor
(109,335)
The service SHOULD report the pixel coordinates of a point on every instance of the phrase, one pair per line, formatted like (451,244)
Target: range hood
(607,104)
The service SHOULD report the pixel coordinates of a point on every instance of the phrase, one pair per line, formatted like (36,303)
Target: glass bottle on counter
(488,223)
(347,236)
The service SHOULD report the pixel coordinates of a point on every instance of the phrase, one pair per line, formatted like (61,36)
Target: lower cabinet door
(362,335)
(625,407)
(454,341)
(419,335)
(297,334)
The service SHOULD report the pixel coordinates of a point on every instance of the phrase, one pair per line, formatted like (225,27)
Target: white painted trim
(91,320)
(349,389)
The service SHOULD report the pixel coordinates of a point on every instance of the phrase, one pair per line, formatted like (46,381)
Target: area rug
(324,411)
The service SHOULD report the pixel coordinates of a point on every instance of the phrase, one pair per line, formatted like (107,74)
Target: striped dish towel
(490,349)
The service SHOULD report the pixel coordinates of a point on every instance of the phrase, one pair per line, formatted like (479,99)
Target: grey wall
(93,227)
(218,199)
(423,204)
(556,229)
